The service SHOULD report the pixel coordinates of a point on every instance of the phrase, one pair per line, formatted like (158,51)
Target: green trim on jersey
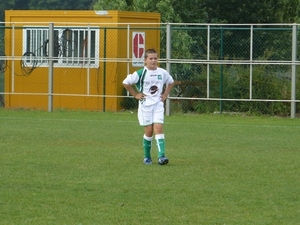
(141,73)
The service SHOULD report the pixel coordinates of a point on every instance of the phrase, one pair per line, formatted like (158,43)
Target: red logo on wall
(138,48)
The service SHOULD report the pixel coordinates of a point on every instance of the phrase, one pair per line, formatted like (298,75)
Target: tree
(60,4)
(12,4)
(248,11)
(113,5)
(211,11)
(44,4)
(190,11)
(161,6)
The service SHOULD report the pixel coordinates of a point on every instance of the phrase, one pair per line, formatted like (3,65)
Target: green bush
(269,82)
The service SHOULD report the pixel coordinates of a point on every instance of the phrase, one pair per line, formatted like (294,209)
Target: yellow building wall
(71,84)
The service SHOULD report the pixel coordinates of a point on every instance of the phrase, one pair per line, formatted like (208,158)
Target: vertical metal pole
(104,71)
(128,50)
(294,70)
(251,59)
(221,70)
(88,38)
(208,65)
(168,64)
(128,54)
(50,69)
(13,61)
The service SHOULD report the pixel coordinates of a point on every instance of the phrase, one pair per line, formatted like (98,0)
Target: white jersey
(150,82)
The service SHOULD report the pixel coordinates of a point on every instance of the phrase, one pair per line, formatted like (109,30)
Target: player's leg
(147,143)
(145,119)
(158,119)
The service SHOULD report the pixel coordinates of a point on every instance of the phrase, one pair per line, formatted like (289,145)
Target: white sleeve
(169,79)
(131,79)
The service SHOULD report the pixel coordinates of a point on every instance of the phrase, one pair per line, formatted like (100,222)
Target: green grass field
(74,167)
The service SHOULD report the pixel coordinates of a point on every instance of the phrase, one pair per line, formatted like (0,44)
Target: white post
(168,65)
(294,70)
(88,47)
(50,70)
(208,65)
(13,61)
(251,59)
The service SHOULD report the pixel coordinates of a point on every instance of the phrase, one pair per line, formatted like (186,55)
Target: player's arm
(167,91)
(128,82)
(130,89)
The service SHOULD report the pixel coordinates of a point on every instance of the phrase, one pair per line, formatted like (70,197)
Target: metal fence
(217,67)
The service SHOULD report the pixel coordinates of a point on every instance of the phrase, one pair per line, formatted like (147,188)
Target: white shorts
(148,115)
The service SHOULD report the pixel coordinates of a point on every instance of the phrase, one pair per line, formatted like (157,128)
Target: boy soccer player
(150,82)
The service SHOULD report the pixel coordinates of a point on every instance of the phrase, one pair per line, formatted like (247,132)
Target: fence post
(168,64)
(294,68)
(50,70)
(251,62)
(13,61)
(208,64)
(104,71)
(88,53)
(221,68)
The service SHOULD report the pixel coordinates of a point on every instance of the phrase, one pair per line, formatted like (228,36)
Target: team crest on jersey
(153,89)
(159,77)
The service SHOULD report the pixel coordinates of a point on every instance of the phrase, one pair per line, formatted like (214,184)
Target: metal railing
(232,65)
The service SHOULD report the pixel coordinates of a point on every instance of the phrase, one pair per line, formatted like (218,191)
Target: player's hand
(139,96)
(163,98)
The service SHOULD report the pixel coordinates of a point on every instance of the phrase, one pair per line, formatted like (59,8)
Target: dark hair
(149,51)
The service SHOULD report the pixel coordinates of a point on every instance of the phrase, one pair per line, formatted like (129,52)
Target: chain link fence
(217,68)
(243,68)
(2,64)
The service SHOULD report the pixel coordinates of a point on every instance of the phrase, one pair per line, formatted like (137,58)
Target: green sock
(147,146)
(160,141)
